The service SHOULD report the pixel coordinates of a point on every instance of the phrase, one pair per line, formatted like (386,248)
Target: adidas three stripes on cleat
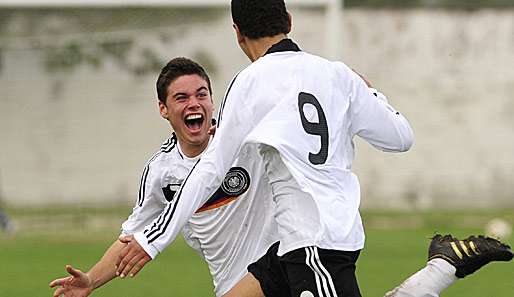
(470,254)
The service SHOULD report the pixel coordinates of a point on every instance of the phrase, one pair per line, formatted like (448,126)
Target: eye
(202,95)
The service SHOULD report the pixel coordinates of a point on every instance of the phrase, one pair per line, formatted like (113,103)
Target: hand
(212,129)
(77,285)
(132,258)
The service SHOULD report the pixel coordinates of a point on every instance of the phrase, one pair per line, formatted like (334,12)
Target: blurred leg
(247,287)
(428,282)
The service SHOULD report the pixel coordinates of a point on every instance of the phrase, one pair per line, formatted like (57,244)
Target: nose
(194,102)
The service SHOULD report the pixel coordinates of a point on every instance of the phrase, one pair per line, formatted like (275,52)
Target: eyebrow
(182,93)
(202,89)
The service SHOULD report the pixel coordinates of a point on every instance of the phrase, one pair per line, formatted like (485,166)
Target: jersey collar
(284,45)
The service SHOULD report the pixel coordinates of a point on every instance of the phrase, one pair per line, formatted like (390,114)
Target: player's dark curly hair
(260,18)
(176,68)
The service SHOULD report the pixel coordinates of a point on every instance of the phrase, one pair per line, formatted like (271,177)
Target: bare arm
(105,269)
(80,284)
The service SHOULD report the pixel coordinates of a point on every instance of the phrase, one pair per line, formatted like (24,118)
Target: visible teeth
(194,117)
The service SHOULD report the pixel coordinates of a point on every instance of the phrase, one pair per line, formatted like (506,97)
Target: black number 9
(319,128)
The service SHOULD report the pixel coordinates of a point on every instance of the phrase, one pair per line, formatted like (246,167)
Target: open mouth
(194,121)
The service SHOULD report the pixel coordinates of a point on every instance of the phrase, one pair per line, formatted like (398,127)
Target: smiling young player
(220,229)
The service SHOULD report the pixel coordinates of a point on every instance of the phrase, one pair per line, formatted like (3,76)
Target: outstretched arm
(374,119)
(80,284)
(149,204)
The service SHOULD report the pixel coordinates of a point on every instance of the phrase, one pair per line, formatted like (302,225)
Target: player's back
(305,103)
(309,110)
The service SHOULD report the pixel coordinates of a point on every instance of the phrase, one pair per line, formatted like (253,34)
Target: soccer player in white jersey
(233,228)
(302,112)
(220,229)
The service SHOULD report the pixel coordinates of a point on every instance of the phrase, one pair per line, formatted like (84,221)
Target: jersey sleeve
(234,123)
(150,202)
(375,120)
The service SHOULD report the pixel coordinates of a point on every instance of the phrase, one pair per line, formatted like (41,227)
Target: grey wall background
(79,118)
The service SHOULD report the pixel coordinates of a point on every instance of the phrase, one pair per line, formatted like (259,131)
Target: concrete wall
(83,135)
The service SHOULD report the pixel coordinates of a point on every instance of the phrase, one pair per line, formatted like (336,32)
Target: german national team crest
(235,183)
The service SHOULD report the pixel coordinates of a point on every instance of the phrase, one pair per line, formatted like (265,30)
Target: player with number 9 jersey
(310,117)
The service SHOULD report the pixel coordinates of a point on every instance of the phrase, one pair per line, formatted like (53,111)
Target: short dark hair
(260,18)
(176,68)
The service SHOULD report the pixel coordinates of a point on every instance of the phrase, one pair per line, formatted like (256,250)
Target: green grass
(390,256)
(30,262)
(396,247)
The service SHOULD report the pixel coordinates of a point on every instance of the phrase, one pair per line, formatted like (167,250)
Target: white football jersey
(308,109)
(232,229)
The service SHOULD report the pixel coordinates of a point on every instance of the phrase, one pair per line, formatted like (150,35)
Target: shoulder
(167,151)
(238,88)
(169,144)
(242,77)
(321,61)
(332,70)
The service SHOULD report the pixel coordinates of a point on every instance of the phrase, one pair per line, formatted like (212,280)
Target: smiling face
(189,110)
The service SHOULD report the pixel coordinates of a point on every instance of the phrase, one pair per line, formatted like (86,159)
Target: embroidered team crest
(235,183)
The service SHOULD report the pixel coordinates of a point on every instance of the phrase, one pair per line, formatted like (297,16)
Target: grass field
(396,247)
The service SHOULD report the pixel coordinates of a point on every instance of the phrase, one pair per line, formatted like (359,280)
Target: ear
(290,22)
(163,110)
(239,36)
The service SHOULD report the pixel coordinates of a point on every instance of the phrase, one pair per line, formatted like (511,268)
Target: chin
(197,138)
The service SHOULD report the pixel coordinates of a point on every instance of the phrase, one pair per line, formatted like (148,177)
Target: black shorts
(307,272)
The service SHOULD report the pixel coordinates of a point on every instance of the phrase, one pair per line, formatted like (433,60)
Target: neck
(256,48)
(192,150)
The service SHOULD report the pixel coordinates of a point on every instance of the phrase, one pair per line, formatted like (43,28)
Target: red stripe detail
(219,203)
